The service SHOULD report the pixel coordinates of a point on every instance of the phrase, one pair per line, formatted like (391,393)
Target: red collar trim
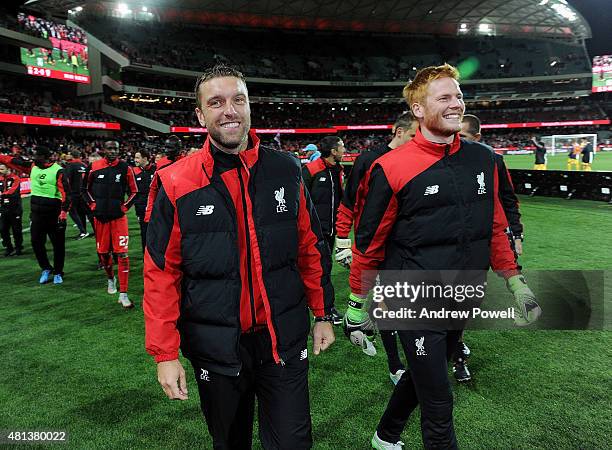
(248,157)
(434,147)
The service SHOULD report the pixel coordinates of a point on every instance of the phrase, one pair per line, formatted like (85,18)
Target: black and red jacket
(42,205)
(74,171)
(324,183)
(106,186)
(233,245)
(144,177)
(346,210)
(508,198)
(428,206)
(154,186)
(10,194)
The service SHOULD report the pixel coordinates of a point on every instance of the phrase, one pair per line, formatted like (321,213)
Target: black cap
(43,151)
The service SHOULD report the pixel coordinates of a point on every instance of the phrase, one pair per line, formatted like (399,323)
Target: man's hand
(358,326)
(322,336)
(171,376)
(344,254)
(528,309)
(518,246)
(61,220)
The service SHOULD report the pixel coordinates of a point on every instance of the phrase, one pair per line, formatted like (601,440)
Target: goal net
(564,143)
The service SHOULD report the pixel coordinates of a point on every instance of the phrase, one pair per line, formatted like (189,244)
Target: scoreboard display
(602,73)
(67,60)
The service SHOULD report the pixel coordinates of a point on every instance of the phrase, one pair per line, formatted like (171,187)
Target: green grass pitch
(59,63)
(73,360)
(601,162)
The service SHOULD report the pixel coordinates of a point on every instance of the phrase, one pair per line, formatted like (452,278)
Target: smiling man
(429,205)
(235,258)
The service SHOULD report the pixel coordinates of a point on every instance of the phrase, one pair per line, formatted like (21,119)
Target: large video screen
(602,73)
(68,59)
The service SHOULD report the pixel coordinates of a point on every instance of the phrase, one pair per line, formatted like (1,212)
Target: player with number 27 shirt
(109,180)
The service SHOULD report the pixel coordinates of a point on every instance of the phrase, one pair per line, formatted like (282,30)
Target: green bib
(44,181)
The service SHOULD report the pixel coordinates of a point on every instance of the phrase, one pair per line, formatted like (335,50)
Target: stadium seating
(293,55)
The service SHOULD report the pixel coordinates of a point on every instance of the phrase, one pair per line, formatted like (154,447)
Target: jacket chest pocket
(205,211)
(276,201)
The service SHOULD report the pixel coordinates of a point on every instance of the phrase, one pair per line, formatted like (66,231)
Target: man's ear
(200,115)
(417,110)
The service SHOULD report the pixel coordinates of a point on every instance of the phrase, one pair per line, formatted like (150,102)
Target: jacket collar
(111,164)
(436,148)
(248,157)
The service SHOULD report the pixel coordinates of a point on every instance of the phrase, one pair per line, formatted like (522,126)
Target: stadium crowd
(39,27)
(279,54)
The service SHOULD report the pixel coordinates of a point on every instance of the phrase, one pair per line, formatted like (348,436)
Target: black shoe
(461,372)
(9,252)
(336,316)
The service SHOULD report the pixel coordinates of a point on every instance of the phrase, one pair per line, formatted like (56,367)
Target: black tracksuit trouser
(425,383)
(45,224)
(228,402)
(10,221)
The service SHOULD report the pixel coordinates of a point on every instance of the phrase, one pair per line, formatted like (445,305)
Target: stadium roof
(544,18)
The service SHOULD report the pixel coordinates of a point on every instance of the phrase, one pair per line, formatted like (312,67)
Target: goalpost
(563,143)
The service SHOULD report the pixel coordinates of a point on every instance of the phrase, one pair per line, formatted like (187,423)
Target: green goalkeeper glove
(528,309)
(357,325)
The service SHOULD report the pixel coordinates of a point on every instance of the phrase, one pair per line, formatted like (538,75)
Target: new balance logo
(204,375)
(280,198)
(420,345)
(205,210)
(117,178)
(304,354)
(430,190)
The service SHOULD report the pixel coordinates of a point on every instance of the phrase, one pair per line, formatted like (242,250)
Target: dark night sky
(598,13)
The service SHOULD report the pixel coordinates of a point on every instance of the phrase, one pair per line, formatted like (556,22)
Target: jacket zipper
(248,246)
(331,178)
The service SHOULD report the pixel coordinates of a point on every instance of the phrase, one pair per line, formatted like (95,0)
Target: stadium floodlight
(123,8)
(78,9)
(564,11)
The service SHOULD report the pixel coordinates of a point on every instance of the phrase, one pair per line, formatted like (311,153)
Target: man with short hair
(430,205)
(11,212)
(74,171)
(107,183)
(49,207)
(235,258)
(540,154)
(470,130)
(403,130)
(172,153)
(587,156)
(144,173)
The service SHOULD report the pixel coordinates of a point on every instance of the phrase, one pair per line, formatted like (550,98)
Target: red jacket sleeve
(372,227)
(15,185)
(152,196)
(314,261)
(62,187)
(17,164)
(344,221)
(162,280)
(501,256)
(132,187)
